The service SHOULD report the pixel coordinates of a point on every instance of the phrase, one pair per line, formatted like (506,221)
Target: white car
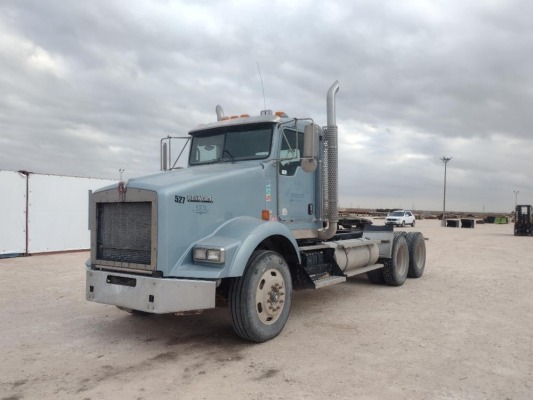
(400,218)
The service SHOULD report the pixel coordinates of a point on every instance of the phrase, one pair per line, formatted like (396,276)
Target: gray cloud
(88,88)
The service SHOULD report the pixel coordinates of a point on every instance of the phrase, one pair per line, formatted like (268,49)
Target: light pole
(445,161)
(121,172)
(516,198)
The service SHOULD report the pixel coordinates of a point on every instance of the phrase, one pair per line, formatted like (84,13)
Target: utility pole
(516,198)
(445,160)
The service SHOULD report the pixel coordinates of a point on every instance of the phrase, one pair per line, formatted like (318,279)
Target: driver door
(296,195)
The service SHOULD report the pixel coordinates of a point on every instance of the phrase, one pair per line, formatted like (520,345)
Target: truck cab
(267,152)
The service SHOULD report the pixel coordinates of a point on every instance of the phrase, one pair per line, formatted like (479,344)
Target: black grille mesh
(124,232)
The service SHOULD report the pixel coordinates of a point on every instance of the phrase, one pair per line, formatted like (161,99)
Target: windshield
(232,143)
(396,214)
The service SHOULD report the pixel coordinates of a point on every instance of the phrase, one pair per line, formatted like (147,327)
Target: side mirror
(309,162)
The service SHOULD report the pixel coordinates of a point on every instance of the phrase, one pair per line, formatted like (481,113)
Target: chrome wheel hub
(270,296)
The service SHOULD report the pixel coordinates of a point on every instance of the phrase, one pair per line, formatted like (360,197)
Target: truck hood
(193,202)
(189,178)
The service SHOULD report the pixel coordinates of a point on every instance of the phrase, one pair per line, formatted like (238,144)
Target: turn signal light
(265,215)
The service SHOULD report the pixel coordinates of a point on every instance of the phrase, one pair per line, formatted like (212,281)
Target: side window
(292,143)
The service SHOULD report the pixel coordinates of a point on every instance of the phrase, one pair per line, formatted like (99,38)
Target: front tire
(260,300)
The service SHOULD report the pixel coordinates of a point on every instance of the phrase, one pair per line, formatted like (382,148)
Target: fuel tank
(354,253)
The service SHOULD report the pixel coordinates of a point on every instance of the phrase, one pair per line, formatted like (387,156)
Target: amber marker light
(265,214)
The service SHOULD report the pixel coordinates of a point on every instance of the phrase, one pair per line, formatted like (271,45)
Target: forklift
(523,225)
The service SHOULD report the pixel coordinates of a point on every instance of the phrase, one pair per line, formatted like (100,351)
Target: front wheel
(260,300)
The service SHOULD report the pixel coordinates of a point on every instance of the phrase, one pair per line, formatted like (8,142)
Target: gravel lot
(462,331)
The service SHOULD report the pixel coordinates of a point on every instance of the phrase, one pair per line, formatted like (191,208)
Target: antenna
(262,86)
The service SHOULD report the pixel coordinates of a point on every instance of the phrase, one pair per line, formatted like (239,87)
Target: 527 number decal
(179,199)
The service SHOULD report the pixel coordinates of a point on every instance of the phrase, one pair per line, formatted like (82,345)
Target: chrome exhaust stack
(330,168)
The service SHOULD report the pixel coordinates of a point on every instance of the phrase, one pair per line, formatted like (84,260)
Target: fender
(240,237)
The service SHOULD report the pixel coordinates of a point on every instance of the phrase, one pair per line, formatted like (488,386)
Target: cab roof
(240,120)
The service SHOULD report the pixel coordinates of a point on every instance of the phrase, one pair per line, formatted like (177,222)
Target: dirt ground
(462,331)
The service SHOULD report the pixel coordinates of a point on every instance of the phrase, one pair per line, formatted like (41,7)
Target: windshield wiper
(229,154)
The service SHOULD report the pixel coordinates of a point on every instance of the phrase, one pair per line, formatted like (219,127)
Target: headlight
(209,255)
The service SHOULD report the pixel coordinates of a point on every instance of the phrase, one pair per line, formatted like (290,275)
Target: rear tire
(260,300)
(396,268)
(376,276)
(417,254)
(413,224)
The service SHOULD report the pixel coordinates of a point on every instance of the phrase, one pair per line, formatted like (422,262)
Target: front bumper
(153,295)
(393,222)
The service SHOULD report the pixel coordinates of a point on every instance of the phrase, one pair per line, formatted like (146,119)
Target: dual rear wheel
(408,259)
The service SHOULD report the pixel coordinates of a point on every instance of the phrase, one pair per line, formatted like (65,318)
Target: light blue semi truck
(251,218)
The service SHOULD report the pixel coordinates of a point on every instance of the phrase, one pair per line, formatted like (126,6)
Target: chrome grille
(124,232)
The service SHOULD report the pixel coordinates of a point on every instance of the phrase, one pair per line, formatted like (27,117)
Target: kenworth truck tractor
(251,218)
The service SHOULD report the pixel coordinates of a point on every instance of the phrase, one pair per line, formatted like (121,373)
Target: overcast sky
(90,87)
